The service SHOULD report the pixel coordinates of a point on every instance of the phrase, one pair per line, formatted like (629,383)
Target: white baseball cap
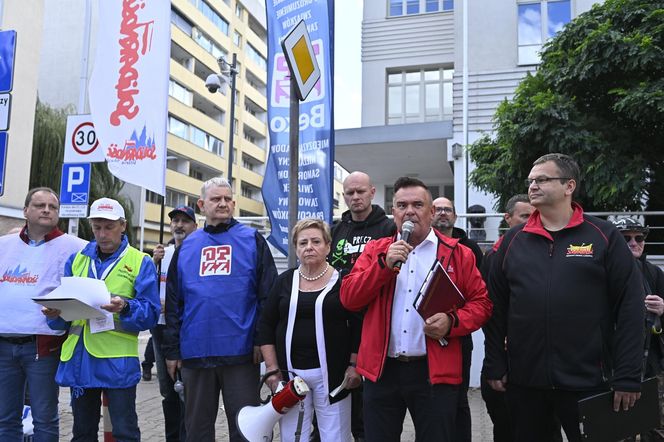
(106,208)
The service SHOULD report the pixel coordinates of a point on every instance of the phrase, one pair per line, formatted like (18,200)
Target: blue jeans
(121,407)
(19,364)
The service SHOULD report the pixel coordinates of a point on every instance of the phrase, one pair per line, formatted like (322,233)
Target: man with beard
(183,222)
(443,220)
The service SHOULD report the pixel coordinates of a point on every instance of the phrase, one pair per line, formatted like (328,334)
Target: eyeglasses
(542,180)
(637,238)
(444,209)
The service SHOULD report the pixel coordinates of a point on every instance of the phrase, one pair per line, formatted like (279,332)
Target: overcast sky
(347,65)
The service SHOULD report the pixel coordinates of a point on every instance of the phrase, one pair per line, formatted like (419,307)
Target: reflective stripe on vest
(112,343)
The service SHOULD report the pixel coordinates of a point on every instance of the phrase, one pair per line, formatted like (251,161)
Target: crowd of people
(564,299)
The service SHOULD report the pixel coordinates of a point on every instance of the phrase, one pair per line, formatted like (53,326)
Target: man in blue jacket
(216,284)
(102,354)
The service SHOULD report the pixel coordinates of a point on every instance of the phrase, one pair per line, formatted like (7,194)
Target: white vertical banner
(129,89)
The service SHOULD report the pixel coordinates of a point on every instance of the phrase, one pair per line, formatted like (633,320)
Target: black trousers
(463,432)
(238,385)
(533,410)
(496,406)
(405,386)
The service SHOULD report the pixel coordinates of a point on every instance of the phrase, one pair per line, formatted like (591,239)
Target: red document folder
(438,294)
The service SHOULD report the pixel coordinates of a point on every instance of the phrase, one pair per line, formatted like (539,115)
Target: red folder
(438,293)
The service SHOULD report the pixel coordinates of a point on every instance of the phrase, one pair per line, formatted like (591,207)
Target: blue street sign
(7,52)
(3,160)
(75,184)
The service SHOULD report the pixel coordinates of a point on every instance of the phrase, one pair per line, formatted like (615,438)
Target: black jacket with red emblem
(570,304)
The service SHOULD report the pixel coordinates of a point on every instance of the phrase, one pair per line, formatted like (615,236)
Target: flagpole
(141,217)
(82,87)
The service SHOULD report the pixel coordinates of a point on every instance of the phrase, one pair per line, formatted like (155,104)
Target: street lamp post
(232,71)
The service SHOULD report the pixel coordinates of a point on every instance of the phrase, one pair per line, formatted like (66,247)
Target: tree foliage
(598,96)
(47,159)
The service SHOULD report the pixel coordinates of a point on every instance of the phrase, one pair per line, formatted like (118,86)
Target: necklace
(313,278)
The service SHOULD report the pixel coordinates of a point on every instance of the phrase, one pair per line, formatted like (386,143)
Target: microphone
(406,229)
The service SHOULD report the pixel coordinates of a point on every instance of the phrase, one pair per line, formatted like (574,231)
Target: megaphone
(256,423)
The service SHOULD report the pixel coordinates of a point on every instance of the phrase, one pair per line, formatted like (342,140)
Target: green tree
(598,95)
(47,159)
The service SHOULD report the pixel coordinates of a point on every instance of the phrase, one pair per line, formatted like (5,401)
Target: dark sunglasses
(637,238)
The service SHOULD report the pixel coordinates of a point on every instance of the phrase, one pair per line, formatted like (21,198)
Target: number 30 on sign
(81,143)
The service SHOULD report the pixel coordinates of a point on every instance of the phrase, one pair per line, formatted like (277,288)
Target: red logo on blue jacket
(216,260)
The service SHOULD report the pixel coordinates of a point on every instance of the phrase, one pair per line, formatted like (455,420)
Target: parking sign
(74,190)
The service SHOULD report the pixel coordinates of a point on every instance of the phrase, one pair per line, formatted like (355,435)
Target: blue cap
(183,209)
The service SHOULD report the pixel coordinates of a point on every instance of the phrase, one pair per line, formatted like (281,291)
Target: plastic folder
(598,421)
(438,293)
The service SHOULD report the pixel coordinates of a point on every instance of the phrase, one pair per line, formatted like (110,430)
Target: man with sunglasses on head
(568,298)
(635,235)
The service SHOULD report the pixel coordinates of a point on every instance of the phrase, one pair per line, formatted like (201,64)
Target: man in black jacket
(569,300)
(444,219)
(361,223)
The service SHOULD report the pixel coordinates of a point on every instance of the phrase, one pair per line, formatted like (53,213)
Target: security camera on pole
(303,67)
(218,82)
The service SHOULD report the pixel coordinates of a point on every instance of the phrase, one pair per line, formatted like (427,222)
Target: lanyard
(93,267)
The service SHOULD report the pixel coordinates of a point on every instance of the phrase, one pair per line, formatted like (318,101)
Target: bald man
(362,222)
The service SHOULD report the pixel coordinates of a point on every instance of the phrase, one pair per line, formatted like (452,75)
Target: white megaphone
(256,423)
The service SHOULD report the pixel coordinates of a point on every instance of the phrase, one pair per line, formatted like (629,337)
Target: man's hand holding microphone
(398,252)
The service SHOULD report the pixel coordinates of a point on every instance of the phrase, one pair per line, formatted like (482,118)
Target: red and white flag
(129,89)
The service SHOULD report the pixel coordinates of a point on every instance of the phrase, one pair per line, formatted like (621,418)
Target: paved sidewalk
(150,416)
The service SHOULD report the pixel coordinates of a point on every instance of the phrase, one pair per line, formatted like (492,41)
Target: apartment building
(199,122)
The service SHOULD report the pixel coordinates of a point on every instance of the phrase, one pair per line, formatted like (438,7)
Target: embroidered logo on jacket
(582,251)
(19,276)
(450,269)
(216,260)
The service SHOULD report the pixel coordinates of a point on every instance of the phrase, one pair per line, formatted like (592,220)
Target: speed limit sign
(84,139)
(81,142)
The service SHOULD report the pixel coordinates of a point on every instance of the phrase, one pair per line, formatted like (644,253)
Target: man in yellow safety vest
(101,354)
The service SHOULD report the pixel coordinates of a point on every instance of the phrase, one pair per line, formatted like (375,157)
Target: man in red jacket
(406,363)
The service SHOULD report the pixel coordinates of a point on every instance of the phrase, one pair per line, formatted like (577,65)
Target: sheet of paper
(77,298)
(102,323)
(343,385)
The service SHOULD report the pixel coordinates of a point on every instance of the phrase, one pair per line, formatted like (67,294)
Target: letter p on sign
(75,178)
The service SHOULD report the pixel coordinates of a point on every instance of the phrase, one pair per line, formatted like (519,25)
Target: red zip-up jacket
(371,285)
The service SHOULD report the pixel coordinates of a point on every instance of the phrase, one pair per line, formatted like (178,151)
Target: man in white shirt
(183,222)
(406,363)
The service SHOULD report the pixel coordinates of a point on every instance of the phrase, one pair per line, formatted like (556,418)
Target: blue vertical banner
(316,123)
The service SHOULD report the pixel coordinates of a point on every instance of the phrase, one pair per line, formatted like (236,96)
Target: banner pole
(294,159)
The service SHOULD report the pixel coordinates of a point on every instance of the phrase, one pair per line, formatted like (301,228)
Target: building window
(255,56)
(237,39)
(180,93)
(416,96)
(208,44)
(196,136)
(239,10)
(398,8)
(179,21)
(538,22)
(211,14)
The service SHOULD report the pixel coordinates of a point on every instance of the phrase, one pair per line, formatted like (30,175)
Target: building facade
(419,109)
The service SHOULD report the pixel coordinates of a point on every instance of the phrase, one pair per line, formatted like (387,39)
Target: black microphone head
(406,229)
